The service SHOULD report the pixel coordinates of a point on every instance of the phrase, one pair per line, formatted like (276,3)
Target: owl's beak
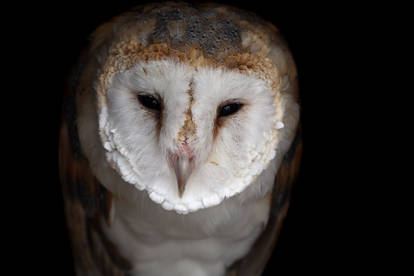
(183,167)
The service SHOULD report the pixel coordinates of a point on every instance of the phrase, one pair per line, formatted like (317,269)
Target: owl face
(193,103)
(190,136)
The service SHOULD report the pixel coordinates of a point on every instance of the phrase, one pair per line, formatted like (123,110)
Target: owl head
(191,103)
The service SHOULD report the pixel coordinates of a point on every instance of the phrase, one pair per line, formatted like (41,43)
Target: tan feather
(87,205)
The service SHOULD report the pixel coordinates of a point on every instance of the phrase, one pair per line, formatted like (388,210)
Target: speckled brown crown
(200,35)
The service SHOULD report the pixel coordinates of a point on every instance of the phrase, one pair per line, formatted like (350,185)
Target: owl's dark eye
(229,109)
(149,102)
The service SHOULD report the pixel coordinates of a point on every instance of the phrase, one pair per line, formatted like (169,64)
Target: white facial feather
(225,165)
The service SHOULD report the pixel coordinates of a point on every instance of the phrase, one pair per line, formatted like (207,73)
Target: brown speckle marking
(189,127)
(214,163)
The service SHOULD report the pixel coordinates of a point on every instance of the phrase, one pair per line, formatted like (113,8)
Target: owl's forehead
(208,35)
(128,54)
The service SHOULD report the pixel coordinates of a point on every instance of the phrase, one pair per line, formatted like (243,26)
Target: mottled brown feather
(87,203)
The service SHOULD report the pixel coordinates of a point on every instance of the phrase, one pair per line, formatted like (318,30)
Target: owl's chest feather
(202,243)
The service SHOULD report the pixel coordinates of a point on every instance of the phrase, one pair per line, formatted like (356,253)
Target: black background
(327,42)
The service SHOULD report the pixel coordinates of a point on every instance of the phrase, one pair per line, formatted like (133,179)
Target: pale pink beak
(183,165)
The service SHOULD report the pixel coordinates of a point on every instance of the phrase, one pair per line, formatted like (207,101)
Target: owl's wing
(87,203)
(254,263)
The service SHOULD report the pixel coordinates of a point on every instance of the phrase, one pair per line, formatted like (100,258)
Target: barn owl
(179,143)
